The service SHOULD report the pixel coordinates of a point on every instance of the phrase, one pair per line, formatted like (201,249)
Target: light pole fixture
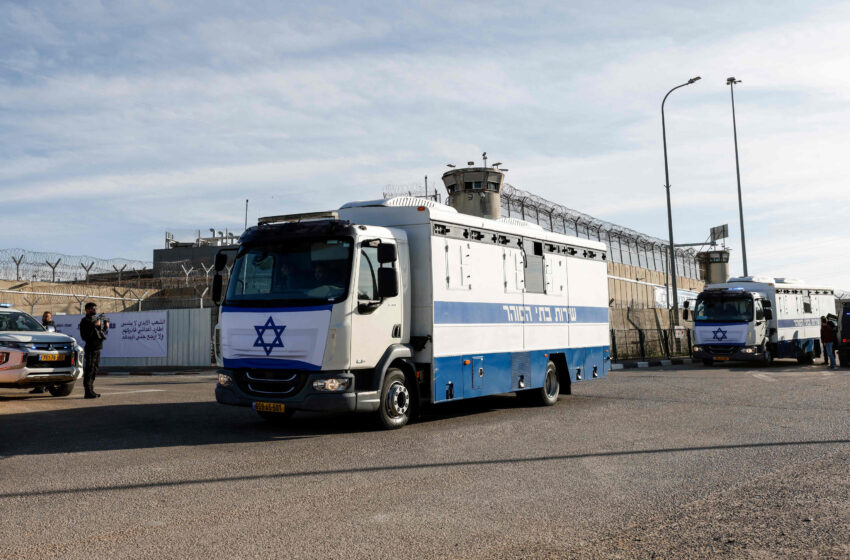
(731,83)
(672,267)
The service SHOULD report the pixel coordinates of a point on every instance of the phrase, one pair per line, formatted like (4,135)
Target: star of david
(719,334)
(261,331)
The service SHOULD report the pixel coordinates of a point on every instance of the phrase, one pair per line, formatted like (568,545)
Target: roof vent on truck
(520,223)
(326,215)
(413,201)
(785,280)
(757,279)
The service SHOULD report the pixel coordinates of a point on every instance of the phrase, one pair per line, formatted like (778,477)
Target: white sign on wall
(141,334)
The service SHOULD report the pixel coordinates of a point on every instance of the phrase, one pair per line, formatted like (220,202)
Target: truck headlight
(749,350)
(334,384)
(697,348)
(224,380)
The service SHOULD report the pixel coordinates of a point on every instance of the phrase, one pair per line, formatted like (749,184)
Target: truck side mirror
(220,261)
(387,253)
(685,312)
(687,304)
(216,287)
(768,313)
(387,282)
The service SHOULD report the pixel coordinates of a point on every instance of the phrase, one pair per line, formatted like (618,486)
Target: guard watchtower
(476,190)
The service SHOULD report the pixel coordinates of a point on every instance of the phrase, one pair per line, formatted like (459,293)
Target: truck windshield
(724,309)
(298,273)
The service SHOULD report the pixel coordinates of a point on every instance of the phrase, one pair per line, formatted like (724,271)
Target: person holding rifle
(93,330)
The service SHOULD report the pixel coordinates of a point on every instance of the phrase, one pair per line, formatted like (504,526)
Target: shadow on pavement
(139,426)
(417,466)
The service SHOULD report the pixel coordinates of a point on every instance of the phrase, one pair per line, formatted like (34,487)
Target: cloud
(166,115)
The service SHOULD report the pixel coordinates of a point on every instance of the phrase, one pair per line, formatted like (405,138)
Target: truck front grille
(271,382)
(723,349)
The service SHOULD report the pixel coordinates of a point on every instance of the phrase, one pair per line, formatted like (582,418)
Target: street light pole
(672,267)
(731,83)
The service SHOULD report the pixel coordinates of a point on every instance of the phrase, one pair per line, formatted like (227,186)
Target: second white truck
(757,318)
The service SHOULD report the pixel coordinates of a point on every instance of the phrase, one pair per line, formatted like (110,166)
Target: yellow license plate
(52,357)
(722,358)
(268,407)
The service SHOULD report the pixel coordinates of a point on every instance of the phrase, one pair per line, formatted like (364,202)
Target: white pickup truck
(32,356)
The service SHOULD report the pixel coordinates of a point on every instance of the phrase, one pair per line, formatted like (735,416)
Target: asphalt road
(721,462)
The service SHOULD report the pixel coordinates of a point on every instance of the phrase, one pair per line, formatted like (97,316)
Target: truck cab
(314,316)
(732,324)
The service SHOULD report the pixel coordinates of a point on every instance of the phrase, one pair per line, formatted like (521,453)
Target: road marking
(774,376)
(137,391)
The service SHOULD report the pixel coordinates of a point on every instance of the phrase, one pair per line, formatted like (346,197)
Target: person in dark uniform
(46,321)
(92,331)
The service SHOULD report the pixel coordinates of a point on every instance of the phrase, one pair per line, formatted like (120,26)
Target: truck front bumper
(308,398)
(730,354)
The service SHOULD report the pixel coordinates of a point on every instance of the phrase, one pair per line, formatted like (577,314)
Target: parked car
(32,356)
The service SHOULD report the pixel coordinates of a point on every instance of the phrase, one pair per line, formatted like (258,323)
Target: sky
(121,121)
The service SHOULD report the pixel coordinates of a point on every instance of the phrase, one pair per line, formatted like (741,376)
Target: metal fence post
(614,344)
(642,344)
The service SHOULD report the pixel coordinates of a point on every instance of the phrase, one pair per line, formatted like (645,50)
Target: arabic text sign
(131,335)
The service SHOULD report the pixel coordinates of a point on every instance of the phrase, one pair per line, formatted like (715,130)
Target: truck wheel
(394,411)
(844,359)
(768,358)
(708,362)
(277,417)
(62,389)
(548,394)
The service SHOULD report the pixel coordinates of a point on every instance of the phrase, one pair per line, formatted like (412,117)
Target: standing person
(46,321)
(92,331)
(827,336)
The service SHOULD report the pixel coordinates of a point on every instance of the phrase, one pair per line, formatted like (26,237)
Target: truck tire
(396,400)
(548,394)
(844,359)
(277,417)
(61,389)
(708,362)
(768,358)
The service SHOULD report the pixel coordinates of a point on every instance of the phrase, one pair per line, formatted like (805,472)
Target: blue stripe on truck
(455,312)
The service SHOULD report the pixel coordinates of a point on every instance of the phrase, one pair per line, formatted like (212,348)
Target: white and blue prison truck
(758,318)
(383,306)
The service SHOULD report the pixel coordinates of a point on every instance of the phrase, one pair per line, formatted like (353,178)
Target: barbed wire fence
(517,203)
(32,279)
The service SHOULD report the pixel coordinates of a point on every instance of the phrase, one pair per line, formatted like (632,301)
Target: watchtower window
(492,186)
(472,185)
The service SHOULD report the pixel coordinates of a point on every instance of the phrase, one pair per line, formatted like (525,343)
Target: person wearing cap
(92,333)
